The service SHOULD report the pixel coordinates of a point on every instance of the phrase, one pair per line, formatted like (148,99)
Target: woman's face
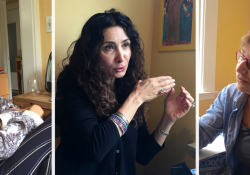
(243,73)
(115,52)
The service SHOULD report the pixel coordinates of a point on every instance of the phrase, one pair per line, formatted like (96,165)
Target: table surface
(36,99)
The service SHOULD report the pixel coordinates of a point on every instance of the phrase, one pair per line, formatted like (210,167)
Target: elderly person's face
(243,72)
(115,52)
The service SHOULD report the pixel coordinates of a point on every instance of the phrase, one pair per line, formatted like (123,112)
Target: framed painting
(176,25)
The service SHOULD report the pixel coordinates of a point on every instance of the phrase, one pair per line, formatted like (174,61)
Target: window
(206,59)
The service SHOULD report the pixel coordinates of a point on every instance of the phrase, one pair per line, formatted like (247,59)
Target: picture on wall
(176,25)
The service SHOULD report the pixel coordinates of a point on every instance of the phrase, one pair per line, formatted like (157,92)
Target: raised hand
(149,89)
(179,106)
(144,91)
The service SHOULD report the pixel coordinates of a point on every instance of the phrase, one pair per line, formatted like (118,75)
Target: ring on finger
(163,91)
(193,105)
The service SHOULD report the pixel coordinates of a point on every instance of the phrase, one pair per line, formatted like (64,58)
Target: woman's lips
(240,80)
(120,69)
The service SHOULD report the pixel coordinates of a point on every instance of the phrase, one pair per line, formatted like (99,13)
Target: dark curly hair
(84,63)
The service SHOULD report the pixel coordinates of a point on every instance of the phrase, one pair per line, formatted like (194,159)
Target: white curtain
(30,40)
(4,43)
(4,48)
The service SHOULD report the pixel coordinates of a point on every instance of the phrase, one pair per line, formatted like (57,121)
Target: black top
(242,151)
(91,147)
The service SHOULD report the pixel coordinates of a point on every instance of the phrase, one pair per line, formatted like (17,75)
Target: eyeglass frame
(244,58)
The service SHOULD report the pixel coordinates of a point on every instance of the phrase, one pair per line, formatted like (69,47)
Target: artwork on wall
(176,25)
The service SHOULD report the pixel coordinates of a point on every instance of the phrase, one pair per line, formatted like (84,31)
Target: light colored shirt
(224,116)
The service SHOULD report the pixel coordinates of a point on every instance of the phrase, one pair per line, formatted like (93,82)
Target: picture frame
(176,25)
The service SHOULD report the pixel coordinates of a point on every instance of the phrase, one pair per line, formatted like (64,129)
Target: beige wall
(181,66)
(233,23)
(46,38)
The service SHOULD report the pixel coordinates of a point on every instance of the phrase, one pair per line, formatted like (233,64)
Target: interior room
(217,61)
(179,64)
(25,60)
(25,48)
(14,16)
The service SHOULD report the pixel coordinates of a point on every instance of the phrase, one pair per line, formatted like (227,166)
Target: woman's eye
(126,44)
(108,47)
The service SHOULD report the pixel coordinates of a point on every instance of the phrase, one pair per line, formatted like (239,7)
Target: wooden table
(26,100)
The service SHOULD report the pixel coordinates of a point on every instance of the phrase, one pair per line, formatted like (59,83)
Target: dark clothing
(33,156)
(242,151)
(91,147)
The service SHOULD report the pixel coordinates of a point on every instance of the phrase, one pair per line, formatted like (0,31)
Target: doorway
(14,38)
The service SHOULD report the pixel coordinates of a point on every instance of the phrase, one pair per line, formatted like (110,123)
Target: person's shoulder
(65,78)
(67,85)
(231,91)
(231,88)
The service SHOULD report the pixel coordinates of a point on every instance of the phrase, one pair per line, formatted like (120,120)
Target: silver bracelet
(163,132)
(123,117)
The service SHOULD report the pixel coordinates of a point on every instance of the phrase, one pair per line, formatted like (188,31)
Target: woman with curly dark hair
(100,101)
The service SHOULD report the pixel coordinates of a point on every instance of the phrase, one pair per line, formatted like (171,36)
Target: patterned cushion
(213,165)
(31,154)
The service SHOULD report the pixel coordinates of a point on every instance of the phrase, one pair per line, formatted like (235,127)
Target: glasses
(240,57)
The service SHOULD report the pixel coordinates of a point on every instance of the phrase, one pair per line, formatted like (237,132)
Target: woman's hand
(179,106)
(149,89)
(173,110)
(37,109)
(144,91)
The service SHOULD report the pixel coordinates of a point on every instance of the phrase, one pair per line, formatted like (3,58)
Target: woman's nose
(119,55)
(242,67)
